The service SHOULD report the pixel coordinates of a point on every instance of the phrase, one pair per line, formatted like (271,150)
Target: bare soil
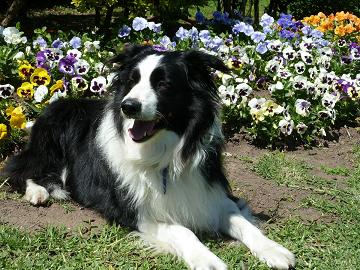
(269,201)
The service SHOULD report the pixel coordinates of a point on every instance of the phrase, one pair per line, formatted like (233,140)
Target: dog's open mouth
(143,130)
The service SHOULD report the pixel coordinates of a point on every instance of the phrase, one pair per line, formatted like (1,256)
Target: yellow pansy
(26,90)
(3,131)
(40,77)
(25,70)
(17,117)
(58,86)
(271,108)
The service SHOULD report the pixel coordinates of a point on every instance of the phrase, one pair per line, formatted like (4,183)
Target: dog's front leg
(237,226)
(182,242)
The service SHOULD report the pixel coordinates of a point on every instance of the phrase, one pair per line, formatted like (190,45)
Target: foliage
(290,83)
(303,8)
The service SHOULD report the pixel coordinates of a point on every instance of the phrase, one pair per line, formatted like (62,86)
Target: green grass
(317,245)
(334,245)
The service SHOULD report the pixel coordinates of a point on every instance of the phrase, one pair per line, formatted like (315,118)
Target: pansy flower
(75,42)
(243,89)
(82,67)
(301,128)
(3,131)
(74,53)
(299,82)
(275,45)
(255,104)
(270,108)
(272,66)
(66,65)
(91,46)
(299,67)
(289,53)
(40,77)
(276,86)
(59,86)
(25,70)
(98,85)
(17,117)
(286,126)
(26,90)
(155,27)
(139,24)
(6,90)
(124,31)
(302,107)
(79,83)
(306,57)
(228,95)
(329,100)
(40,93)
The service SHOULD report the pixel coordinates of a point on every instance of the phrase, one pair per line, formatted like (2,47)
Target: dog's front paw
(275,255)
(205,261)
(36,194)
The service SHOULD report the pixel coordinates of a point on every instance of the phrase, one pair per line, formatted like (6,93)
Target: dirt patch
(26,216)
(269,201)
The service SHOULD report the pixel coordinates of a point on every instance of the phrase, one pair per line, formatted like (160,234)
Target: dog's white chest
(188,200)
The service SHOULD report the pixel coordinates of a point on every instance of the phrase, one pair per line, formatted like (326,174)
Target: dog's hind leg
(29,174)
(182,242)
(237,225)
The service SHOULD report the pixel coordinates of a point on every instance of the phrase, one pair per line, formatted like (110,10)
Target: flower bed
(291,80)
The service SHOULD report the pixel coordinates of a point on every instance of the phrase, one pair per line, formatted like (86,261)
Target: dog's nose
(131,107)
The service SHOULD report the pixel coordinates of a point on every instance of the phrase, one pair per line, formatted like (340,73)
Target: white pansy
(92,46)
(243,89)
(275,45)
(98,85)
(329,100)
(19,56)
(286,127)
(276,86)
(302,107)
(306,57)
(299,82)
(57,95)
(255,104)
(299,67)
(13,36)
(272,66)
(82,67)
(301,128)
(74,53)
(289,53)
(40,93)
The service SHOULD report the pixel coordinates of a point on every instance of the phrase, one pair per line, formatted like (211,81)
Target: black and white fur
(148,158)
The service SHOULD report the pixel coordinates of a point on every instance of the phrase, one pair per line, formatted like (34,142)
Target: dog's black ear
(199,60)
(129,53)
(205,99)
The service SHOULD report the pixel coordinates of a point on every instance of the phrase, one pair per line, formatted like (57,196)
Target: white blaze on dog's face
(143,91)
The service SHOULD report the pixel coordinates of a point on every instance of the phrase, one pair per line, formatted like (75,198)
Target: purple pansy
(266,20)
(75,42)
(124,31)
(139,24)
(57,44)
(261,48)
(258,36)
(40,41)
(66,65)
(182,33)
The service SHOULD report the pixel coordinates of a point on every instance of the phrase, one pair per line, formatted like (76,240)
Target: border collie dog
(148,158)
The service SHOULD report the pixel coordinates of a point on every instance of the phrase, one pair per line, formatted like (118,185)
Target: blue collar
(164,178)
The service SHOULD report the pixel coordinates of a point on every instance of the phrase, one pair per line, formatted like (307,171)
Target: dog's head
(166,91)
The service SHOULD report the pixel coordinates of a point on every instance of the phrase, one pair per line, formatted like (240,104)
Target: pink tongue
(141,129)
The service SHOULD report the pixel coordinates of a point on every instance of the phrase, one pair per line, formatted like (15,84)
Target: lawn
(328,239)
